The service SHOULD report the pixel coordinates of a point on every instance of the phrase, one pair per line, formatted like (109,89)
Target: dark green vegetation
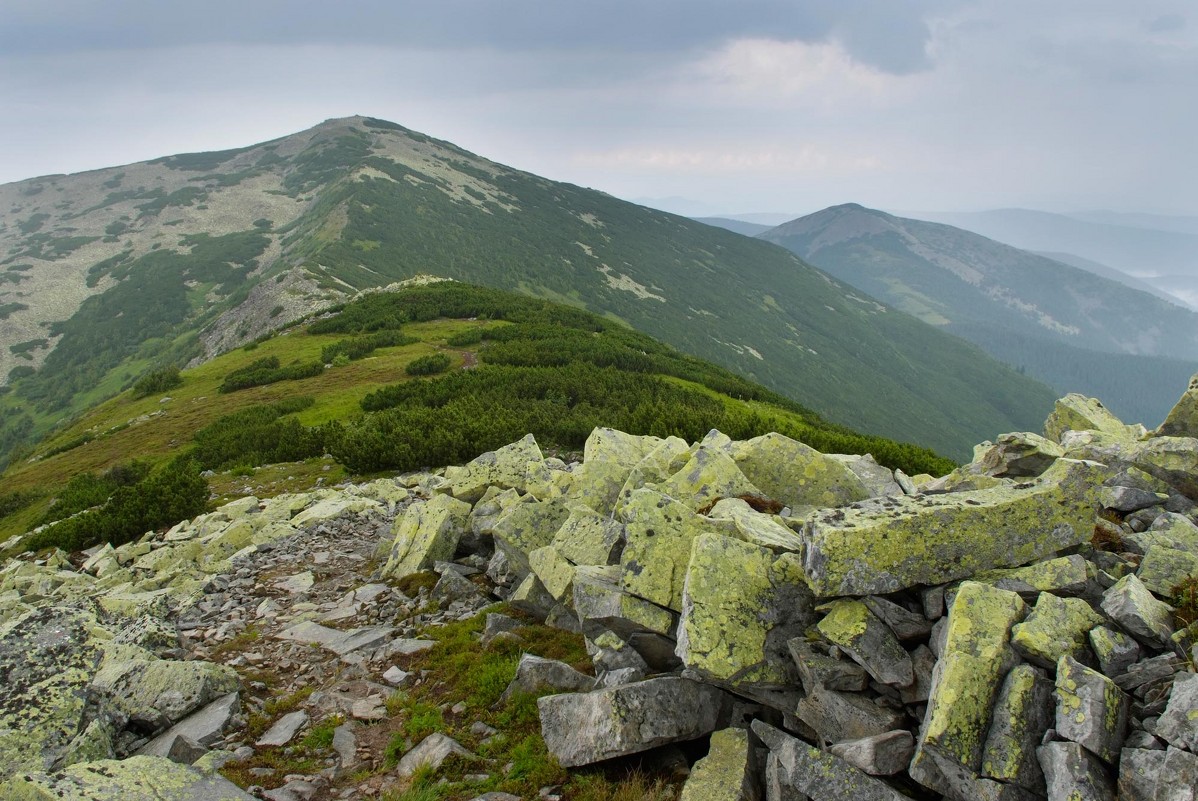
(428,365)
(374,203)
(267,370)
(1072,329)
(534,366)
(161,380)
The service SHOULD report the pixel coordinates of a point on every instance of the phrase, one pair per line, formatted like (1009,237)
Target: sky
(698,106)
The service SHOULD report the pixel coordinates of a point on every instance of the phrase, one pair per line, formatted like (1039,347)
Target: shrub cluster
(267,370)
(359,347)
(156,381)
(428,365)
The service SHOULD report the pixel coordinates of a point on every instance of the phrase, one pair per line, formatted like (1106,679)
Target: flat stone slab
(818,774)
(1179,723)
(133,779)
(205,726)
(284,730)
(432,751)
(339,642)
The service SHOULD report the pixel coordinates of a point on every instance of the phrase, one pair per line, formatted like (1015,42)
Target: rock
(519,466)
(335,640)
(599,600)
(1178,780)
(284,730)
(924,662)
(905,624)
(1173,460)
(820,775)
(526,526)
(756,528)
(453,586)
(582,728)
(1073,773)
(710,474)
(797,475)
(610,445)
(1179,723)
(297,584)
(933,539)
(396,676)
(1148,671)
(204,727)
(1065,575)
(1130,499)
(727,773)
(1091,710)
(838,716)
(535,674)
(370,708)
(185,750)
(878,480)
(1182,420)
(1078,413)
(345,744)
(1115,650)
(588,538)
(427,533)
(143,688)
(1056,627)
(1023,712)
(431,752)
(134,779)
(1131,605)
(817,669)
(555,572)
(1163,568)
(531,597)
(735,633)
(1139,771)
(870,642)
(151,633)
(880,755)
(1018,455)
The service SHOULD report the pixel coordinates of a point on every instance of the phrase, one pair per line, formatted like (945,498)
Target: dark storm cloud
(885,34)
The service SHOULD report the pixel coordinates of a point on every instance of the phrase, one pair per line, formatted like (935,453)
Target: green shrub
(163,379)
(267,370)
(428,365)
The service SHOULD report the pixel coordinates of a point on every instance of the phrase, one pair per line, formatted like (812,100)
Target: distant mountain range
(108,274)
(1069,327)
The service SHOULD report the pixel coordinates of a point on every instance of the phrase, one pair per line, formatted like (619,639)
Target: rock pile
(833,629)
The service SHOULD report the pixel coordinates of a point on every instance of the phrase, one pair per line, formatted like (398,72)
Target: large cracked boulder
(143,687)
(889,546)
(427,533)
(519,466)
(582,728)
(140,778)
(797,475)
(1182,420)
(1076,412)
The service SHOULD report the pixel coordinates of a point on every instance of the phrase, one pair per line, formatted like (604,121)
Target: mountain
(1069,327)
(1117,275)
(109,274)
(735,226)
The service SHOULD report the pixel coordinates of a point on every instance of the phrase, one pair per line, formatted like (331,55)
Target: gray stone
(134,779)
(453,586)
(905,624)
(924,663)
(144,687)
(431,751)
(1017,455)
(1023,712)
(1130,499)
(1056,627)
(726,773)
(1074,773)
(284,730)
(335,640)
(582,728)
(862,635)
(396,676)
(1179,723)
(838,716)
(1163,568)
(526,526)
(1115,650)
(1173,460)
(185,750)
(776,788)
(1065,575)
(1076,412)
(818,669)
(878,480)
(1148,671)
(1139,739)
(345,744)
(880,755)
(600,601)
(1131,605)
(1182,420)
(1178,779)
(820,775)
(1091,710)
(204,727)
(427,533)
(1139,772)
(535,674)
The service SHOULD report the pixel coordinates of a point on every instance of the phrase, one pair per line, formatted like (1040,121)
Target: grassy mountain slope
(181,261)
(1074,330)
(511,364)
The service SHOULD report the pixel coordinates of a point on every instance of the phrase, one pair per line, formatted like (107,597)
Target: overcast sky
(738,106)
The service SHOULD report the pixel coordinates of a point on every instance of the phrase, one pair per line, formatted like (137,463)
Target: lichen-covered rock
(1056,627)
(142,687)
(1182,420)
(617,447)
(1065,575)
(1178,780)
(1023,712)
(905,624)
(1017,455)
(658,532)
(581,728)
(430,753)
(589,538)
(519,466)
(862,635)
(426,534)
(1091,710)
(1163,568)
(1173,460)
(535,674)
(1078,413)
(1139,771)
(526,526)
(820,669)
(1115,650)
(1179,723)
(756,528)
(838,717)
(204,727)
(599,600)
(710,474)
(1072,773)
(939,538)
(596,484)
(797,475)
(555,572)
(818,774)
(1131,605)
(140,778)
(880,755)
(727,773)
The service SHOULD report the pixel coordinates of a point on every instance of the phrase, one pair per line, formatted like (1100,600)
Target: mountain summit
(108,274)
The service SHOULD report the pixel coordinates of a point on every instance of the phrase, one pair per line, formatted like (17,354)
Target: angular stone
(1131,605)
(610,445)
(756,528)
(346,746)
(1073,773)
(1065,575)
(1023,712)
(820,775)
(582,728)
(1179,776)
(1115,650)
(880,755)
(838,716)
(531,596)
(204,727)
(938,538)
(1148,671)
(1139,771)
(1163,568)
(185,750)
(526,526)
(143,688)
(905,624)
(1017,455)
(453,586)
(1091,710)
(427,533)
(431,752)
(1173,460)
(1056,627)
(297,584)
(1182,420)
(598,599)
(1171,530)
(1130,499)
(555,572)
(736,632)
(335,640)
(726,773)
(588,538)
(1179,723)
(817,669)
(870,642)
(284,730)
(133,779)
(535,674)
(878,480)
(1078,413)
(659,531)
(519,466)
(924,662)
(797,475)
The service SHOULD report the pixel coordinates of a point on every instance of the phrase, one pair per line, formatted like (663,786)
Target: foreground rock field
(774,622)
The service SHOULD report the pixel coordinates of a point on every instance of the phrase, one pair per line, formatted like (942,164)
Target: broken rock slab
(861,634)
(1055,627)
(727,773)
(1091,709)
(427,533)
(1131,605)
(880,755)
(432,751)
(284,730)
(335,640)
(797,475)
(535,674)
(820,775)
(1023,712)
(581,728)
(204,727)
(1179,723)
(1073,772)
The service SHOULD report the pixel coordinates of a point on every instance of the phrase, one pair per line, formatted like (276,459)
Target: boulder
(134,779)
(1182,420)
(1023,712)
(817,774)
(905,624)
(144,687)
(727,773)
(430,752)
(600,600)
(1173,460)
(938,538)
(797,475)
(535,674)
(880,755)
(1163,568)
(589,538)
(735,632)
(526,526)
(1056,627)
(1019,455)
(519,466)
(582,728)
(1179,723)
(204,727)
(1065,575)
(555,572)
(838,716)
(710,474)
(1179,776)
(426,534)
(756,528)
(878,480)
(284,730)
(1115,650)
(1071,772)
(1091,710)
(863,636)
(1078,413)
(616,447)
(1139,772)
(819,669)
(1132,606)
